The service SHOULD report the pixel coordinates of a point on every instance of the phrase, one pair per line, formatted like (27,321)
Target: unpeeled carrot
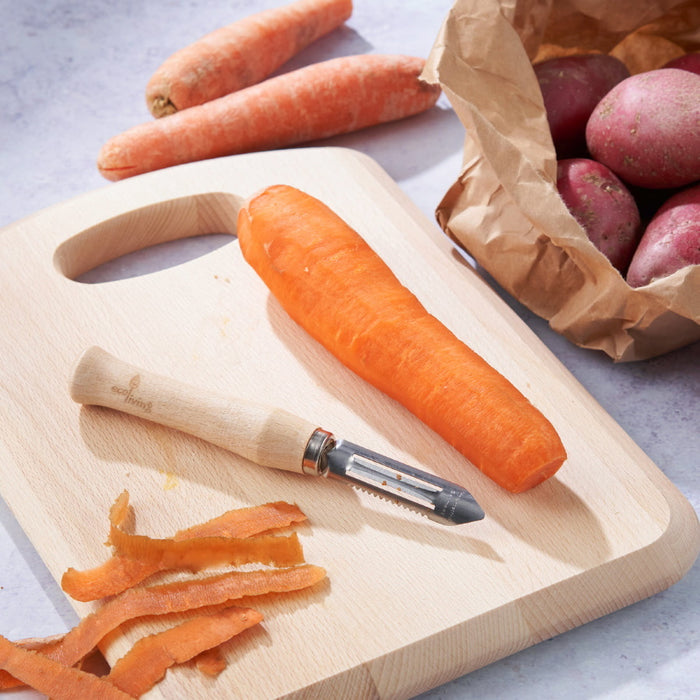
(240,54)
(54,679)
(120,572)
(146,663)
(162,599)
(334,285)
(321,100)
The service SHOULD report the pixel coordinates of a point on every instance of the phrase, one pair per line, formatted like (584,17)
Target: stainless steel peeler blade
(441,500)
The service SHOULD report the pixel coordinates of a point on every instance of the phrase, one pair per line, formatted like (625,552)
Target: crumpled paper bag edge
(635,323)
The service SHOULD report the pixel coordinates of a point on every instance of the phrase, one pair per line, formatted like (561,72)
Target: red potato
(603,207)
(647,129)
(690,62)
(671,241)
(571,88)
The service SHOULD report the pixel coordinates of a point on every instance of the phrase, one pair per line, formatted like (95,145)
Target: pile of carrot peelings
(208,602)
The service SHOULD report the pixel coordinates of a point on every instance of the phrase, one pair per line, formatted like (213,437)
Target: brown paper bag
(504,208)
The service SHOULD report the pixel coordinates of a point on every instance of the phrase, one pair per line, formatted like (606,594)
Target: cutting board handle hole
(134,243)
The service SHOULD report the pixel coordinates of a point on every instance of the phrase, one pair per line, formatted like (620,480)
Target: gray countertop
(72,74)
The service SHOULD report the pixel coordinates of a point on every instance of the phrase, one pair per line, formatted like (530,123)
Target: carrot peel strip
(179,596)
(210,662)
(200,552)
(52,678)
(196,553)
(148,660)
(113,576)
(120,571)
(246,522)
(47,664)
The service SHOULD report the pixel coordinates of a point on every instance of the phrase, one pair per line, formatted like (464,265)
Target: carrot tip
(115,174)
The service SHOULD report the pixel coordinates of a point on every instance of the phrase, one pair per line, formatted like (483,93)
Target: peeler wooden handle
(265,435)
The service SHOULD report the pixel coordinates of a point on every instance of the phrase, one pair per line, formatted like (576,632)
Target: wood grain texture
(409,604)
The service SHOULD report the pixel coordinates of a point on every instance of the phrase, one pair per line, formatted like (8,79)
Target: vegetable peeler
(268,436)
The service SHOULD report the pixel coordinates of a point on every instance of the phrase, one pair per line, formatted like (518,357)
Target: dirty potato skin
(647,129)
(603,207)
(671,241)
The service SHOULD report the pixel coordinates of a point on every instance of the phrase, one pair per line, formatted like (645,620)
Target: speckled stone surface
(72,74)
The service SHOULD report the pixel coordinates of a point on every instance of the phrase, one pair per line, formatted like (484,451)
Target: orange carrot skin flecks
(120,572)
(179,596)
(336,287)
(146,663)
(315,102)
(119,510)
(240,54)
(54,679)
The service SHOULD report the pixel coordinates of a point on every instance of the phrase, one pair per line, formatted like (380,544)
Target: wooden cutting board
(409,604)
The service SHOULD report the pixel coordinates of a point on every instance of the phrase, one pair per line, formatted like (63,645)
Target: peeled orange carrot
(146,663)
(240,54)
(334,285)
(320,100)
